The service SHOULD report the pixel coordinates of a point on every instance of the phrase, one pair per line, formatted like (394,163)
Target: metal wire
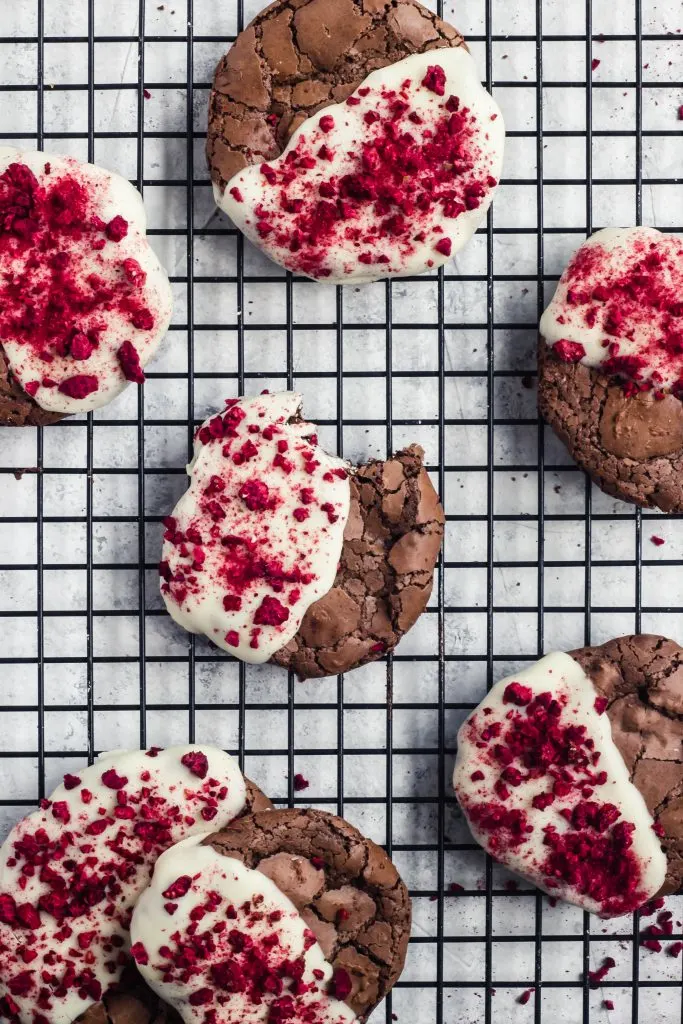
(445,964)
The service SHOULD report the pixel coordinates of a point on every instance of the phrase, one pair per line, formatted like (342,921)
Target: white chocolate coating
(621,296)
(250,201)
(564,678)
(299,532)
(110,868)
(254,900)
(110,196)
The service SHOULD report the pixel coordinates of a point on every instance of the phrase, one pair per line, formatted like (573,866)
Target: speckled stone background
(534,559)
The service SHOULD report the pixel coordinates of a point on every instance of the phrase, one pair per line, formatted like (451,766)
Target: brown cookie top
(642,679)
(17,408)
(298,56)
(631,446)
(391,545)
(345,887)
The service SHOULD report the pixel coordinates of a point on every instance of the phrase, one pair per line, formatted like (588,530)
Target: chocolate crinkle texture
(384,580)
(642,679)
(631,446)
(298,56)
(17,408)
(344,886)
(132,1001)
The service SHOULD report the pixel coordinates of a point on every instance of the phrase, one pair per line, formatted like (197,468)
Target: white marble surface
(111,461)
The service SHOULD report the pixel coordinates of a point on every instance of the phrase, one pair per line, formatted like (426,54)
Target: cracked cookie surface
(345,887)
(298,56)
(384,580)
(642,679)
(630,446)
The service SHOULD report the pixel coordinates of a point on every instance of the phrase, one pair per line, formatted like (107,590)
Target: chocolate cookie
(384,581)
(558,774)
(631,446)
(298,56)
(89,851)
(294,908)
(641,678)
(17,408)
(611,364)
(84,301)
(279,551)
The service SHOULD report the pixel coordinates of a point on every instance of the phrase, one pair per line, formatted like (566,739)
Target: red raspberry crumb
(477,776)
(8,908)
(255,495)
(232,638)
(300,782)
(112,780)
(455,887)
(80,386)
(31,387)
(525,996)
(129,360)
(197,762)
(515,693)
(657,541)
(178,889)
(435,79)
(674,949)
(116,229)
(340,984)
(231,602)
(139,953)
(134,272)
(444,246)
(600,705)
(81,347)
(236,194)
(607,1004)
(301,514)
(201,997)
(326,123)
(271,613)
(595,63)
(569,351)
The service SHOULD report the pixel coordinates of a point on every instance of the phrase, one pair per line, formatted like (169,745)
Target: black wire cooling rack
(534,559)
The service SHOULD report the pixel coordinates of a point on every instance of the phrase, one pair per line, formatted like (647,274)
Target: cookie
(391,544)
(84,301)
(641,677)
(297,911)
(611,364)
(71,872)
(547,773)
(280,551)
(353,141)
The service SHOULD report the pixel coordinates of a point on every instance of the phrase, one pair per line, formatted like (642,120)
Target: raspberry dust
(619,308)
(547,793)
(392,181)
(83,301)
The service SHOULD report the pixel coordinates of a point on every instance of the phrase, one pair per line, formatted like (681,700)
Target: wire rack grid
(534,558)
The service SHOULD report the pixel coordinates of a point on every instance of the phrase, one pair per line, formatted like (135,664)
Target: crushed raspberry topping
(249,547)
(235,943)
(72,298)
(619,307)
(381,185)
(541,800)
(71,873)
